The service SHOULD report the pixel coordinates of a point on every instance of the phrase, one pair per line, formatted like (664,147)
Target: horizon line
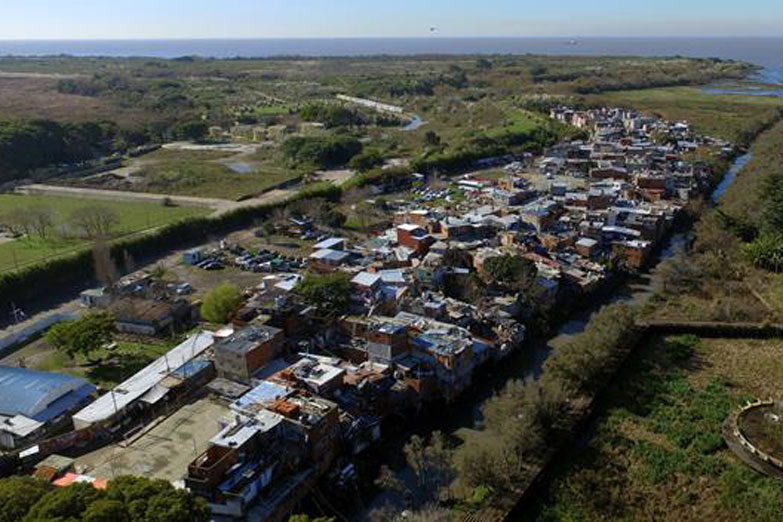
(427,37)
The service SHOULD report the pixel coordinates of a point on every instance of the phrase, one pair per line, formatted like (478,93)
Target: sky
(124,19)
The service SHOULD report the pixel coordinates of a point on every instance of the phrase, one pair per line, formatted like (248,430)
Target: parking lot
(165,451)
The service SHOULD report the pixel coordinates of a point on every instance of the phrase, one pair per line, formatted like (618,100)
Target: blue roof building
(40,396)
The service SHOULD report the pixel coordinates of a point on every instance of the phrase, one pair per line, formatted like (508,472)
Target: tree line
(126,499)
(34,144)
(42,222)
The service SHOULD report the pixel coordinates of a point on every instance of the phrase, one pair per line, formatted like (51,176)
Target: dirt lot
(165,451)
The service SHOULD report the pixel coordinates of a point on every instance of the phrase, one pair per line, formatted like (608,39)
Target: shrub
(221,303)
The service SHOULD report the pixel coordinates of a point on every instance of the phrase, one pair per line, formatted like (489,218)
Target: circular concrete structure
(755,434)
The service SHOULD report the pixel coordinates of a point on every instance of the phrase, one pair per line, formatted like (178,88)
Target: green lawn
(718,115)
(134,217)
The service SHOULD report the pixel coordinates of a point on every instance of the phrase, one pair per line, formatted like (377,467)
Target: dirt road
(219,206)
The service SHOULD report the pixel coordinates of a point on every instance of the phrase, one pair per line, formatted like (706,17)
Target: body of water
(765,52)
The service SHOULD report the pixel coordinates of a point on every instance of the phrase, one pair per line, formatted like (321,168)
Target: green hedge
(26,285)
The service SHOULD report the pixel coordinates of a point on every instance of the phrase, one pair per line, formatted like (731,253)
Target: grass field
(133,217)
(114,367)
(718,115)
(206,174)
(657,452)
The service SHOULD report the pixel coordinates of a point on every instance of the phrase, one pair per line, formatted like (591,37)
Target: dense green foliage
(191,130)
(331,115)
(486,146)
(516,272)
(29,145)
(82,336)
(221,303)
(585,362)
(366,161)
(323,152)
(127,499)
(18,495)
(766,251)
(524,422)
(330,293)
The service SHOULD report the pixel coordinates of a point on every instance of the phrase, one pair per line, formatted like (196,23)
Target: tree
(772,194)
(64,504)
(585,362)
(330,293)
(323,152)
(83,336)
(431,139)
(483,64)
(105,268)
(18,495)
(148,500)
(431,464)
(193,130)
(126,499)
(106,511)
(40,220)
(95,221)
(366,161)
(517,272)
(221,303)
(16,221)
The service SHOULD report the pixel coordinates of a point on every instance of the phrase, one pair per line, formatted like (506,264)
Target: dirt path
(219,206)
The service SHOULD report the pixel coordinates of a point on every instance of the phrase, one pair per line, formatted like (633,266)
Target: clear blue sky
(33,19)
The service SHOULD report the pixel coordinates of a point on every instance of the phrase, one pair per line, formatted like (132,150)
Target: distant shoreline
(764,51)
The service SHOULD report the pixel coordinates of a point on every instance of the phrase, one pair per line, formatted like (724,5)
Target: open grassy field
(210,179)
(720,115)
(203,173)
(657,452)
(133,217)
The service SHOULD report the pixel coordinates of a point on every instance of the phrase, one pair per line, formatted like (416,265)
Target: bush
(330,293)
(221,303)
(767,251)
(681,348)
(584,363)
(83,336)
(323,152)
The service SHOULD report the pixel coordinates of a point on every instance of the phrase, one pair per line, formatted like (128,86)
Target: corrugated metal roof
(39,395)
(143,381)
(365,279)
(266,392)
